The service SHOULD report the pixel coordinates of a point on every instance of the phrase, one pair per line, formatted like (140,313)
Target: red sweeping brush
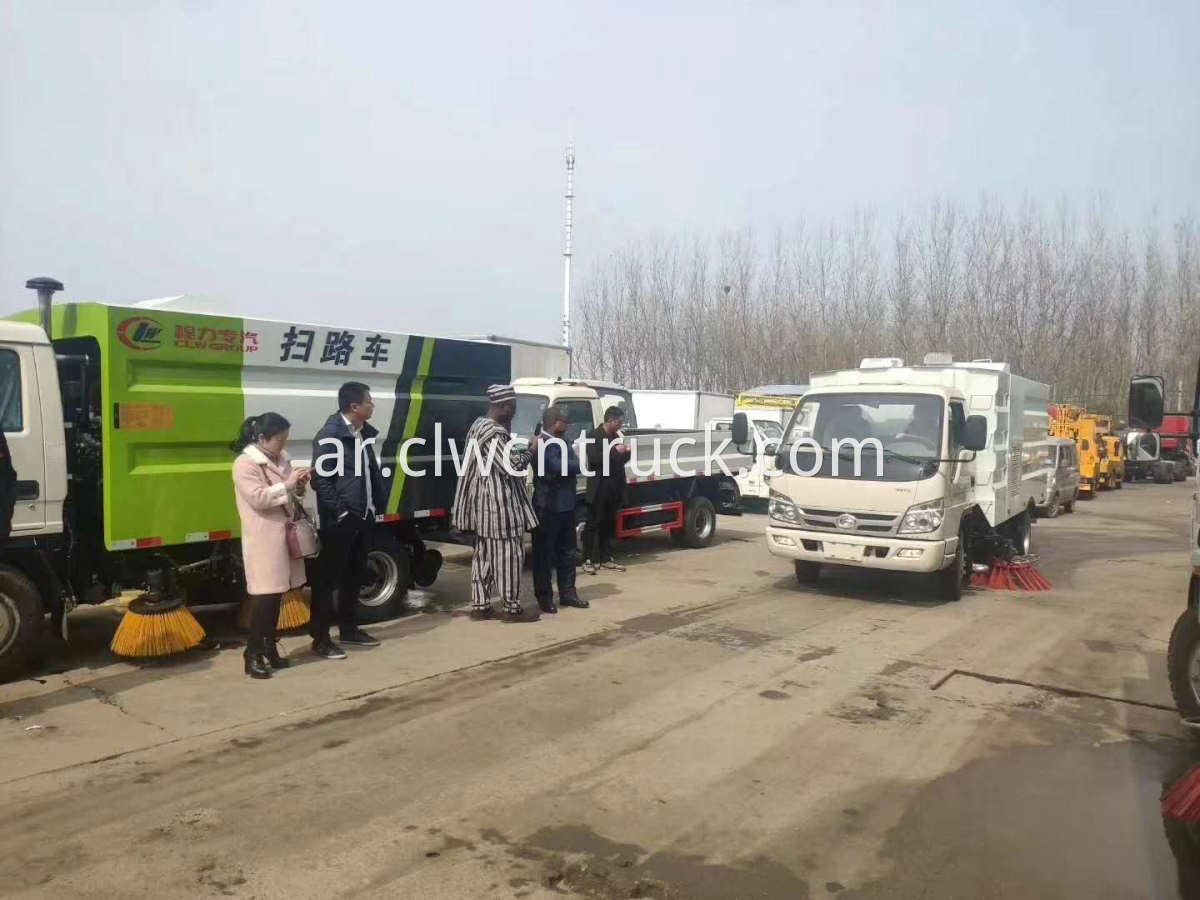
(1016,574)
(1182,801)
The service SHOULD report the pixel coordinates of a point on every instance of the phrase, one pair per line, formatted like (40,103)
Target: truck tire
(950,581)
(1019,530)
(1180,471)
(21,620)
(699,523)
(388,577)
(807,572)
(1183,661)
(1164,472)
(1069,506)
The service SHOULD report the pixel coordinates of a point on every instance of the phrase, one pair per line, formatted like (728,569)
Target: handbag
(302,539)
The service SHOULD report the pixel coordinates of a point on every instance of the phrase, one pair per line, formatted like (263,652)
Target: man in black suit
(604,493)
(349,496)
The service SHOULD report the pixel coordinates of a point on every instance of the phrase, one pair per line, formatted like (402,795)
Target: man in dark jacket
(554,503)
(604,492)
(350,493)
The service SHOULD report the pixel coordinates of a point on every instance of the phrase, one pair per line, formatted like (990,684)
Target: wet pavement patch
(578,861)
(1064,820)
(879,708)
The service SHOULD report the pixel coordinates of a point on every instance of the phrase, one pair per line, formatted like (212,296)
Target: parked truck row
(118,420)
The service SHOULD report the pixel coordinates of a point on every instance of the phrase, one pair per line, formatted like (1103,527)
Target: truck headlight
(923,518)
(781,509)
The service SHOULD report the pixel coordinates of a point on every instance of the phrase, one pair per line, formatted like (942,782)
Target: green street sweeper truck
(118,420)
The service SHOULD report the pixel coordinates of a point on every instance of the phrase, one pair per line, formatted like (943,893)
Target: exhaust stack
(45,288)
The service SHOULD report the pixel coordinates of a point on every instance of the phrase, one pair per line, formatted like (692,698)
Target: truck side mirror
(1146,401)
(741,429)
(975,433)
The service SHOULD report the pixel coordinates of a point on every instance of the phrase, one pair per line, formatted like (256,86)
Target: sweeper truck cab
(1147,394)
(118,421)
(949,457)
(671,483)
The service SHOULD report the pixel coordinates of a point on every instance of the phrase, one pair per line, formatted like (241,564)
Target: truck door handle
(28,490)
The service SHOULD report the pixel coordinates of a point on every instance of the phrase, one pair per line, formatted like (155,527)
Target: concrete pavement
(707,729)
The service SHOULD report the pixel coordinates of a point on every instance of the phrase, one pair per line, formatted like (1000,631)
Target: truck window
(624,401)
(529,413)
(11,414)
(579,418)
(907,427)
(958,426)
(768,431)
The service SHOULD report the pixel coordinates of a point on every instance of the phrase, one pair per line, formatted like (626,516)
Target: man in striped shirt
(491,502)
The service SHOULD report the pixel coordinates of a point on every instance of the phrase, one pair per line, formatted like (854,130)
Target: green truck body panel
(175,387)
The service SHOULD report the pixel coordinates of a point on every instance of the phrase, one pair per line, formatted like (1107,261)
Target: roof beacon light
(881,362)
(938,359)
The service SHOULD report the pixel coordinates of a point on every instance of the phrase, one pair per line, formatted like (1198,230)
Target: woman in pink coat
(267,490)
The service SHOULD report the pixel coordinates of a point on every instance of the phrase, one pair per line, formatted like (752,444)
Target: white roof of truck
(21,333)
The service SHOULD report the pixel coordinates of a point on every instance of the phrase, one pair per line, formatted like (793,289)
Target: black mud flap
(729,498)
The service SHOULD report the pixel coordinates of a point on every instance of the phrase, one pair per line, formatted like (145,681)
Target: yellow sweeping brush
(294,612)
(156,626)
(157,623)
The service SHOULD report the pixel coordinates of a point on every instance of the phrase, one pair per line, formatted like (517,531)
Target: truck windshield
(769,431)
(624,400)
(907,426)
(529,413)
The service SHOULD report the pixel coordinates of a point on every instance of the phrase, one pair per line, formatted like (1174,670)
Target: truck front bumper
(867,552)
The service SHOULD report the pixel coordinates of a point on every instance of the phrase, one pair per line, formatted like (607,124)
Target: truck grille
(868,523)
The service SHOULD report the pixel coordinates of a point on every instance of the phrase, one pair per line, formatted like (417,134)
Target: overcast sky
(398,165)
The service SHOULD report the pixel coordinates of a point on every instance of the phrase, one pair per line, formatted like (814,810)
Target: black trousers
(601,528)
(264,620)
(554,552)
(340,569)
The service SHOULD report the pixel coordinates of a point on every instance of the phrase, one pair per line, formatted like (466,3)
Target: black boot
(274,660)
(256,663)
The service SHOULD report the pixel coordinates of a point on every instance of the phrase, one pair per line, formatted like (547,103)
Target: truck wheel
(1119,483)
(1164,473)
(699,523)
(21,619)
(1020,532)
(388,576)
(1069,506)
(1180,472)
(949,582)
(1052,510)
(807,572)
(1183,662)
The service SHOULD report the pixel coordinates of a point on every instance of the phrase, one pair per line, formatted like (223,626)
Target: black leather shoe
(525,614)
(548,606)
(328,650)
(274,660)
(358,638)
(574,600)
(255,666)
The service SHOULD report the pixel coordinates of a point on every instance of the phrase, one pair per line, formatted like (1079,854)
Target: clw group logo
(140,333)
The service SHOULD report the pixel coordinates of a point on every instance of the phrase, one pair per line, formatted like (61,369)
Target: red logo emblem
(140,333)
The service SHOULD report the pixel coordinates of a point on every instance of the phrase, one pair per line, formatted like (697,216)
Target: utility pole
(566,313)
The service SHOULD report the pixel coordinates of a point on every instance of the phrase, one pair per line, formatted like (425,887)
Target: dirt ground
(707,729)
